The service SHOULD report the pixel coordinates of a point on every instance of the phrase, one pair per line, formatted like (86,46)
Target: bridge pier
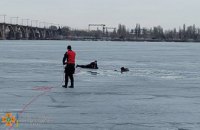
(26,33)
(2,32)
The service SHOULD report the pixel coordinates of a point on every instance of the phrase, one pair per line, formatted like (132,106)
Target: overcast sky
(80,13)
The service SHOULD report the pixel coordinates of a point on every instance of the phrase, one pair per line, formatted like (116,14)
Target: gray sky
(79,13)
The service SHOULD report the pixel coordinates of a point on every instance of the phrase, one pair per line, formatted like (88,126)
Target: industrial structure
(98,25)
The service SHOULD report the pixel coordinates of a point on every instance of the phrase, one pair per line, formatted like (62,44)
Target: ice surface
(160,92)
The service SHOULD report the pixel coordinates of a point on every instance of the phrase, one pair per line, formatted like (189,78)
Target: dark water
(161,91)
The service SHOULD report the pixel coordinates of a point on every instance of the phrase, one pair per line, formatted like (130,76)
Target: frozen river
(161,91)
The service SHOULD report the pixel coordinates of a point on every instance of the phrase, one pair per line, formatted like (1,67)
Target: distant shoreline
(128,40)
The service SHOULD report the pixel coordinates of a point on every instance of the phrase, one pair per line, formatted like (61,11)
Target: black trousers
(69,71)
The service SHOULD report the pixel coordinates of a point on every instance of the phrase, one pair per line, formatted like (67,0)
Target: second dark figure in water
(92,65)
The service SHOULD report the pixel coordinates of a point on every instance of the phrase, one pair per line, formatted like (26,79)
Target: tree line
(137,33)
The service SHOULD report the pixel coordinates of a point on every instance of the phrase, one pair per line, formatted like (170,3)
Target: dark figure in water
(124,69)
(92,65)
(69,61)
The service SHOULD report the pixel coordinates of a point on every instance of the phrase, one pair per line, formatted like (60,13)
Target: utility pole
(4,18)
(31,22)
(36,22)
(15,18)
(40,24)
(45,24)
(27,21)
(11,19)
(23,21)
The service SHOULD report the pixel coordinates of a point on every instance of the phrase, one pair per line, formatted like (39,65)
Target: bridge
(21,32)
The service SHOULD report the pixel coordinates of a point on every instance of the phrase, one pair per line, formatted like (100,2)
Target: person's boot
(64,86)
(72,85)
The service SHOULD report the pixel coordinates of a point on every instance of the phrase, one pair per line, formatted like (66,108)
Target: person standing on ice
(69,61)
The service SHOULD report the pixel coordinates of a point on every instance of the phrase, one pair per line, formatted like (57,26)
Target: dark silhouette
(70,66)
(124,69)
(92,65)
(122,33)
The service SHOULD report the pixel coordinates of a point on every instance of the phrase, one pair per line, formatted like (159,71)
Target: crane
(102,25)
(107,28)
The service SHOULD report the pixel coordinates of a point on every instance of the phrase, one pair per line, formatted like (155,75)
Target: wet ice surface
(161,91)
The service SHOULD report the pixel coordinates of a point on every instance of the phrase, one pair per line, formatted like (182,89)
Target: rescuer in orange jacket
(69,61)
